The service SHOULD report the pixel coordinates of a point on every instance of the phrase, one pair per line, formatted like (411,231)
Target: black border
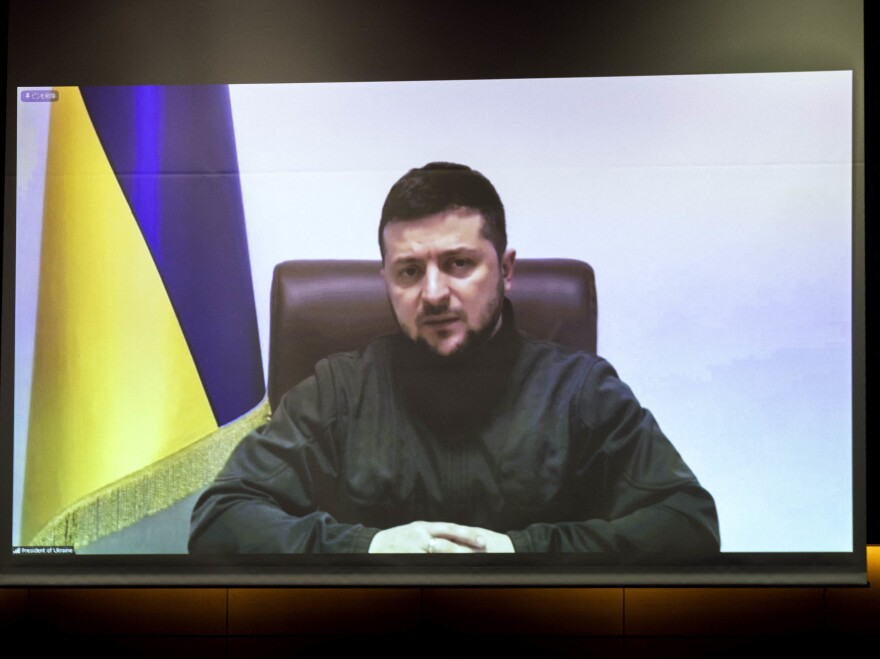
(225,41)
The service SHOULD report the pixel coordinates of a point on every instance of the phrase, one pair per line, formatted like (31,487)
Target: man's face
(444,279)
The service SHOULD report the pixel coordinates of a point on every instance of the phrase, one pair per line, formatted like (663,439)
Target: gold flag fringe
(148,490)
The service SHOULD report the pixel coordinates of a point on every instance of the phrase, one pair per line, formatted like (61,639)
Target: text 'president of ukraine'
(459,433)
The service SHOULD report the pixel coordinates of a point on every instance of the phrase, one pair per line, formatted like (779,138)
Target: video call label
(42,550)
(39,95)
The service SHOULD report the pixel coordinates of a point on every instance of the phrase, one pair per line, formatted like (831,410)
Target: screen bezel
(684,49)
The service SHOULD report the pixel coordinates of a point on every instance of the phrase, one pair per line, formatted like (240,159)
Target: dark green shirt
(519,436)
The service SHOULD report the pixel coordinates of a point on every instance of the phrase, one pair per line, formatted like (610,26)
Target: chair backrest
(322,307)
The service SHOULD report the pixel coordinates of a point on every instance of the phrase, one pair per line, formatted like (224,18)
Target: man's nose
(436,287)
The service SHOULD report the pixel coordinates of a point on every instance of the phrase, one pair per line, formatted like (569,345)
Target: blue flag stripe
(173,152)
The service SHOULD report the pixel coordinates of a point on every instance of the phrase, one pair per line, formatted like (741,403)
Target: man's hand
(438,538)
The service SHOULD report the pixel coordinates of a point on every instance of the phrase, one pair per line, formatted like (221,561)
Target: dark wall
(94,42)
(229,41)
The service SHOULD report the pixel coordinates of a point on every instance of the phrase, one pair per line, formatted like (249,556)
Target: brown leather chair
(322,307)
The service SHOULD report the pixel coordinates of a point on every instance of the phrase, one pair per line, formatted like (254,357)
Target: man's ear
(507,265)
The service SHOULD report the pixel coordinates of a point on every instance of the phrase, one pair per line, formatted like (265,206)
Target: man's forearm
(681,525)
(259,527)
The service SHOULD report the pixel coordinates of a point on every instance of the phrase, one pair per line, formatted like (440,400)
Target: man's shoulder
(562,366)
(542,349)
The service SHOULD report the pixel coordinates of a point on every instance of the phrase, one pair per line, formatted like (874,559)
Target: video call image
(714,211)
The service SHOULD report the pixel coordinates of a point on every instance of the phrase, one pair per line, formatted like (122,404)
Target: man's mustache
(432,312)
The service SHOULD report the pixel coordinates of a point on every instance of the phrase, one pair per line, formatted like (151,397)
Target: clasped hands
(439,538)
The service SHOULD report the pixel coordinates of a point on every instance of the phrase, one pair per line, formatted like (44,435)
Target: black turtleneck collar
(455,396)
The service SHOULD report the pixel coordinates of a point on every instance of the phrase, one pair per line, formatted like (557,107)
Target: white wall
(716,211)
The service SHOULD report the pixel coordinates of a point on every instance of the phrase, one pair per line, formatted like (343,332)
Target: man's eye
(460,264)
(410,272)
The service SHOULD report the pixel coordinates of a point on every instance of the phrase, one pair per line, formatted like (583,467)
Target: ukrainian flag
(147,362)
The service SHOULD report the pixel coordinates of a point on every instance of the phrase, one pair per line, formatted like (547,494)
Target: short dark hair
(441,186)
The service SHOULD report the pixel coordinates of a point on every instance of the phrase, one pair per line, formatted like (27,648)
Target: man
(458,434)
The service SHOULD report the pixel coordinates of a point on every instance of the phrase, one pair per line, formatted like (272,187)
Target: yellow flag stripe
(149,490)
(114,385)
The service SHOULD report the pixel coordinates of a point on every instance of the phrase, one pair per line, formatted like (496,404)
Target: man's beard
(454,395)
(473,337)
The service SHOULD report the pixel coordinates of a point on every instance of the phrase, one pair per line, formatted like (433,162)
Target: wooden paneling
(856,610)
(130,611)
(526,611)
(634,622)
(722,611)
(317,611)
(13,608)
